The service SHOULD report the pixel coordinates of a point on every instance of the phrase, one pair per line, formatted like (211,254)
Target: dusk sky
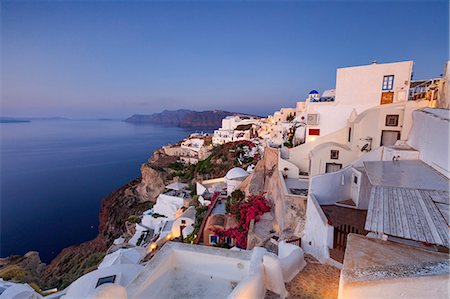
(84,59)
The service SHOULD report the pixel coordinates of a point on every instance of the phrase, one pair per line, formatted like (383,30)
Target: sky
(89,59)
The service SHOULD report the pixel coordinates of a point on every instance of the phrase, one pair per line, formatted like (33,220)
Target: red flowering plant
(245,210)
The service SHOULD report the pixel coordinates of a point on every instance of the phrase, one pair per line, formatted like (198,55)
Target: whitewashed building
(398,195)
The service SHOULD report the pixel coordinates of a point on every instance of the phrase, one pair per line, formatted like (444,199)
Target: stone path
(316,281)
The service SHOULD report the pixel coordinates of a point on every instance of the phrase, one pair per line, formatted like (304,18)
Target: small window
(213,239)
(355,179)
(314,132)
(392,120)
(349,134)
(183,221)
(388,82)
(107,279)
(334,155)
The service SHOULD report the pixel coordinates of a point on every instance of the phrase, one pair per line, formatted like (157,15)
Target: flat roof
(420,215)
(373,259)
(413,174)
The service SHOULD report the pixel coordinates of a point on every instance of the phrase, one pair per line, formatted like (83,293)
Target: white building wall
(362,85)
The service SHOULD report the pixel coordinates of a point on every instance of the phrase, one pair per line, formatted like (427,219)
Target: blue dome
(313,92)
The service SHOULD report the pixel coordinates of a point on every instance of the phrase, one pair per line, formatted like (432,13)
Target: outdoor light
(169,236)
(153,246)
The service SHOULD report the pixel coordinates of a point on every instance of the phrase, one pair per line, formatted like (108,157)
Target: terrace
(187,271)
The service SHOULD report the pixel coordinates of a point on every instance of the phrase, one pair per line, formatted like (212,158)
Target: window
(391,120)
(334,154)
(388,82)
(213,239)
(314,132)
(183,221)
(355,179)
(107,279)
(349,134)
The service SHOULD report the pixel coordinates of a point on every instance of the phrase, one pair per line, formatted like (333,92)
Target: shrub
(194,201)
(13,272)
(134,219)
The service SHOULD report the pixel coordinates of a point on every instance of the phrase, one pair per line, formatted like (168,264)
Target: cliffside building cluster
(357,178)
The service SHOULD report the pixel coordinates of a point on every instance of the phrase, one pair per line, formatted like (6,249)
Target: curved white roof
(236,173)
(85,286)
(17,291)
(329,93)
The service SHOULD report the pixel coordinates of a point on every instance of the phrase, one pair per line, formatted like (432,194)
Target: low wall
(435,287)
(332,187)
(318,236)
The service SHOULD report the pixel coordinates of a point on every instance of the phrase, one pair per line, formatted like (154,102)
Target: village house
(396,197)
(236,127)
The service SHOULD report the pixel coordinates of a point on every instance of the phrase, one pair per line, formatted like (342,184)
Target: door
(332,167)
(356,181)
(387,97)
(389,137)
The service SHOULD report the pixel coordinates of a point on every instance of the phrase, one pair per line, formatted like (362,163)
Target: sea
(54,174)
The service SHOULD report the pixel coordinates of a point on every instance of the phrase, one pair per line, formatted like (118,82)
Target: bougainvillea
(245,210)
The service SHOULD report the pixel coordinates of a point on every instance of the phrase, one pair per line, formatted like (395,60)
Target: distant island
(8,119)
(184,118)
(13,120)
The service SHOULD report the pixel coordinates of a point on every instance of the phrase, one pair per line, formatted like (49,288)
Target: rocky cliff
(131,199)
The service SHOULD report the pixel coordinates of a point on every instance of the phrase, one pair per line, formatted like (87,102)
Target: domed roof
(313,92)
(236,173)
(329,93)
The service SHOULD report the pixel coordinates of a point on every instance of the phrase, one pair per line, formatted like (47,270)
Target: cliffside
(131,199)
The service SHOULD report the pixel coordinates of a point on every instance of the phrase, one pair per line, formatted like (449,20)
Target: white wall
(318,236)
(363,84)
(320,156)
(330,188)
(430,136)
(299,155)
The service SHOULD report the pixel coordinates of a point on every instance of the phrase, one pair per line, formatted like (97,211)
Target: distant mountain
(167,117)
(184,118)
(49,118)
(4,119)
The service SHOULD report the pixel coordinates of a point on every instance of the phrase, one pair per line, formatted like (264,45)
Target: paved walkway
(316,281)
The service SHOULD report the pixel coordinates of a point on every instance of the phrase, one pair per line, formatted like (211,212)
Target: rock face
(22,268)
(152,183)
(288,211)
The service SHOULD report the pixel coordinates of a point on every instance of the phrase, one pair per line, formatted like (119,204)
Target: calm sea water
(55,173)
